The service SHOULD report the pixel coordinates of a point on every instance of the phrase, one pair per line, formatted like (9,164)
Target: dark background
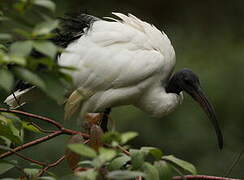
(208,37)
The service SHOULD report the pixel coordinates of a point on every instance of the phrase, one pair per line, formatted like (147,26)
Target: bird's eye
(187,81)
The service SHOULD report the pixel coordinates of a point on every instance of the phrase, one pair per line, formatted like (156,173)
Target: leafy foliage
(119,165)
(27,52)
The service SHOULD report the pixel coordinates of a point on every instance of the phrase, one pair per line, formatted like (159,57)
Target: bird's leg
(104,120)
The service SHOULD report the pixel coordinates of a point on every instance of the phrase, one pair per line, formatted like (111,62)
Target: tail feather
(21,97)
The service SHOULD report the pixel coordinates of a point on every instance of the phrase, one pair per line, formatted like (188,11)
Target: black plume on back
(72,27)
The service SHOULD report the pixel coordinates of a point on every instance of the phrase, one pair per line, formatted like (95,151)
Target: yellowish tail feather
(74,102)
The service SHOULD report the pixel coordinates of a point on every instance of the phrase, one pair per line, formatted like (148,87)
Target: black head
(186,80)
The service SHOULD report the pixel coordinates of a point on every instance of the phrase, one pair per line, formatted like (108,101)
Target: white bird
(123,61)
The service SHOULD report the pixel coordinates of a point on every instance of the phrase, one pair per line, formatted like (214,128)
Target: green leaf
(21,48)
(7,131)
(4,18)
(2,47)
(31,171)
(30,127)
(83,150)
(6,80)
(45,27)
(106,154)
(119,162)
(111,136)
(14,122)
(46,178)
(22,32)
(164,169)
(182,164)
(157,153)
(46,3)
(46,47)
(18,60)
(125,137)
(29,76)
(5,36)
(5,166)
(150,171)
(46,61)
(85,163)
(137,159)
(11,116)
(126,174)
(4,143)
(90,174)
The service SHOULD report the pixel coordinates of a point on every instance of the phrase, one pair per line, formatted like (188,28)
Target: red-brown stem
(32,143)
(124,150)
(28,159)
(201,177)
(139,178)
(72,132)
(61,130)
(55,123)
(40,140)
(50,166)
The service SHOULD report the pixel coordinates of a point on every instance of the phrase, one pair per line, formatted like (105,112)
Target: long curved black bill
(200,97)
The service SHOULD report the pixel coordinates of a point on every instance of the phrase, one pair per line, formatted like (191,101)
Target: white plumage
(121,62)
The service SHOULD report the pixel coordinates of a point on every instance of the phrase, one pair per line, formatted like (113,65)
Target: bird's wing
(115,55)
(118,53)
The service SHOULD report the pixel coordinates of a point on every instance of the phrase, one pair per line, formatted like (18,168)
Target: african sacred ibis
(120,62)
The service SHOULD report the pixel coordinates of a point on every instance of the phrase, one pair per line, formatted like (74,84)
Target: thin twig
(61,130)
(86,141)
(124,150)
(237,159)
(40,140)
(28,159)
(50,166)
(202,177)
(39,128)
(55,123)
(72,132)
(32,143)
(139,178)
(178,172)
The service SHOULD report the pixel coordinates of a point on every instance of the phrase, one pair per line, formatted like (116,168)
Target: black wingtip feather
(72,27)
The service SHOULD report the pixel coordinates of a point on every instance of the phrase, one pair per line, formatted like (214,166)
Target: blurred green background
(208,37)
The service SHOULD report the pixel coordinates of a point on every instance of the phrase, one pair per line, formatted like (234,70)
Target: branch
(61,130)
(28,159)
(201,177)
(55,123)
(40,140)
(124,150)
(32,143)
(50,166)
(139,178)
(51,121)
(237,159)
